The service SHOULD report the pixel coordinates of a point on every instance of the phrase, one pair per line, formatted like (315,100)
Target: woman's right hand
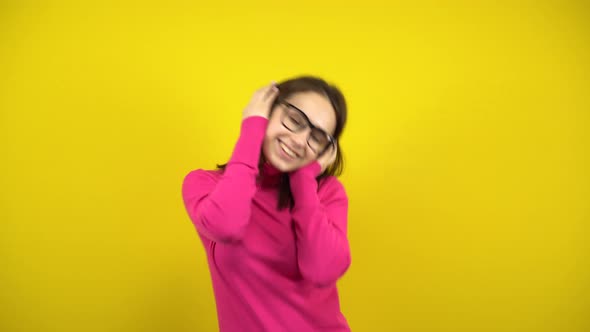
(261,102)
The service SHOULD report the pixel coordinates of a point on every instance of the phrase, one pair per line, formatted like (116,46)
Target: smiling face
(289,150)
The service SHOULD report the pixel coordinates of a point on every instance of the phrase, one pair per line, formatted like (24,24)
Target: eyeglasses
(296,121)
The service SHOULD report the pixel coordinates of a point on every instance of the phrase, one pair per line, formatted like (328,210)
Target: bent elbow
(325,275)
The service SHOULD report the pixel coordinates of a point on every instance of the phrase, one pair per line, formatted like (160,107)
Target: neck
(269,175)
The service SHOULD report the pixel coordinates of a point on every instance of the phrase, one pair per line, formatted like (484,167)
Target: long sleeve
(320,218)
(220,210)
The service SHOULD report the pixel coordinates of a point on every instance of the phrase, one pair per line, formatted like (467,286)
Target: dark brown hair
(333,94)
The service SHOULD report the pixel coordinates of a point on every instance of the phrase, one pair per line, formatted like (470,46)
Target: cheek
(270,137)
(272,133)
(274,126)
(276,131)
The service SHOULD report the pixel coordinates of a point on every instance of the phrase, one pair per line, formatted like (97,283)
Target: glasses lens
(294,120)
(318,140)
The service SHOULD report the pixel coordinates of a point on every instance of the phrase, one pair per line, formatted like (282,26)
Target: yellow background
(467,156)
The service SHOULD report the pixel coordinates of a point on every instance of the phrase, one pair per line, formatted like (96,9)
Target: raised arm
(220,209)
(321,225)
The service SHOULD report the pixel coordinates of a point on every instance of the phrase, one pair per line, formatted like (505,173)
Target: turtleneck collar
(270,176)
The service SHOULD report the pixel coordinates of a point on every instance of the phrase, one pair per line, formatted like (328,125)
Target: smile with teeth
(288,151)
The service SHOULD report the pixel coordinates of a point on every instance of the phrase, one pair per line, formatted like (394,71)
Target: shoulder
(205,173)
(202,177)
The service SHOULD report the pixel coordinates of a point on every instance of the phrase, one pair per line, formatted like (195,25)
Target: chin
(281,165)
(272,153)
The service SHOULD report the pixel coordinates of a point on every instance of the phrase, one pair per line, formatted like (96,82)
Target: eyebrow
(308,120)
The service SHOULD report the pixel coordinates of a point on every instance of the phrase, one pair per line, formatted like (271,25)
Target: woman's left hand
(327,158)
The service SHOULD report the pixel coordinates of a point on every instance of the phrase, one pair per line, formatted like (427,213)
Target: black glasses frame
(331,139)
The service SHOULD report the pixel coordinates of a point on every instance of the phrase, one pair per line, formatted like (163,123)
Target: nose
(299,140)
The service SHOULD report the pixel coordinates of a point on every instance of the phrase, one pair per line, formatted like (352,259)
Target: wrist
(314,169)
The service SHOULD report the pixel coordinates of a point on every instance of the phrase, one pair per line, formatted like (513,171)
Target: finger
(333,154)
(333,149)
(271,90)
(263,91)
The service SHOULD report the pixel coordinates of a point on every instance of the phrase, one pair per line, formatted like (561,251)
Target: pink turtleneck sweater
(272,270)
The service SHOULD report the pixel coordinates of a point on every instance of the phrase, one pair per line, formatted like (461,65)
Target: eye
(295,121)
(319,137)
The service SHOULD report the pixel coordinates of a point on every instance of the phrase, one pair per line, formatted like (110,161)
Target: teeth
(288,151)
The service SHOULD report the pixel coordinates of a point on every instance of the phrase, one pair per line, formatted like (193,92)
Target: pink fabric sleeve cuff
(304,185)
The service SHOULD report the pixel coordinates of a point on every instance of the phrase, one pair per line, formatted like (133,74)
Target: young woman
(273,220)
